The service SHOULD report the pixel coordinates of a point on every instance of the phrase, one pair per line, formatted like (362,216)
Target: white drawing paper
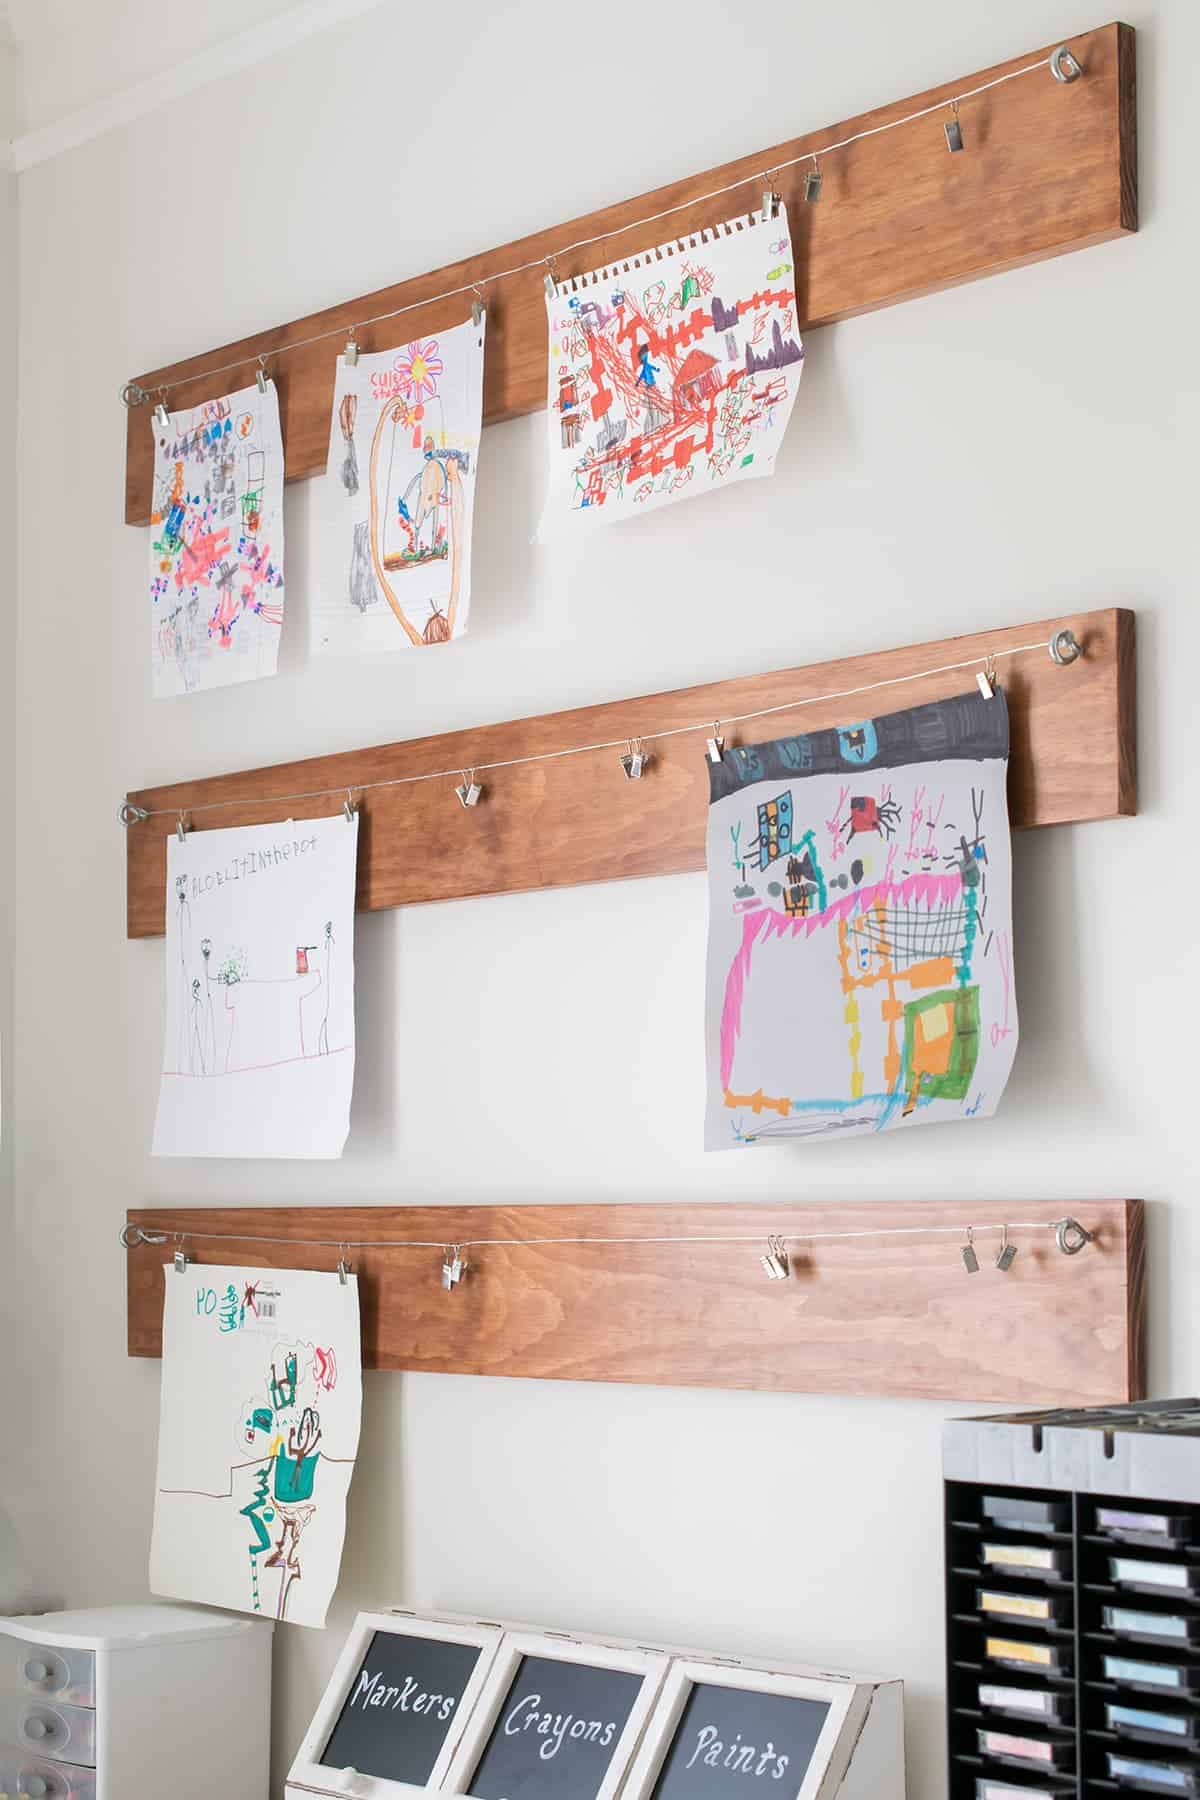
(395,514)
(216,543)
(670,373)
(860,963)
(258,1058)
(257,1438)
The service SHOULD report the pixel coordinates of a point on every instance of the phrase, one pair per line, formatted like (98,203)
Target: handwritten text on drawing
(255,862)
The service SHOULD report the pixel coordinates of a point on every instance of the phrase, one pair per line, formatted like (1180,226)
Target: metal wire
(132,1236)
(129,814)
(545,262)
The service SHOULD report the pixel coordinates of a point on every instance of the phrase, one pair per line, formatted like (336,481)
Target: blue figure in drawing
(647,371)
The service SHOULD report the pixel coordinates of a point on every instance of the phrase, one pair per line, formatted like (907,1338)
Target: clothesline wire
(130,814)
(144,1235)
(547,262)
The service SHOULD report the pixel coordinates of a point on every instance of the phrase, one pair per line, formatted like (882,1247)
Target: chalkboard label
(400,1706)
(556,1732)
(736,1743)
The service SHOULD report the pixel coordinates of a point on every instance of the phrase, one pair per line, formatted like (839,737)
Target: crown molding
(244,51)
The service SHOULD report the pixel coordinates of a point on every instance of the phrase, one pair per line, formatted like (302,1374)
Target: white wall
(1006,451)
(11,1563)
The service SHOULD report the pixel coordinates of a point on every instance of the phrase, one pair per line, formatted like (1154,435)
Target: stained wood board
(562,823)
(893,1316)
(1048,168)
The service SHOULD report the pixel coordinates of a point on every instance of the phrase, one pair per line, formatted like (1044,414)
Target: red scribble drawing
(324,1369)
(678,381)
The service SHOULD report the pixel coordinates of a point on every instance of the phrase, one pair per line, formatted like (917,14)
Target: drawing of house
(696,381)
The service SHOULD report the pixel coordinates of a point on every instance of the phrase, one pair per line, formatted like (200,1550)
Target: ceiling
(79,53)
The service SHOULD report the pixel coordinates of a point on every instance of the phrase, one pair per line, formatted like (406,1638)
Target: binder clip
(1008,1252)
(813,182)
(986,677)
(349,810)
(260,378)
(344,1270)
(970,1259)
(775,1260)
(953,129)
(351,351)
(715,745)
(162,418)
(181,1259)
(635,759)
(770,203)
(181,828)
(477,309)
(453,1268)
(469,792)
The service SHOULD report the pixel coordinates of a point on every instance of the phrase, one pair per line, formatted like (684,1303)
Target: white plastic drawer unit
(34,1778)
(129,1700)
(55,1674)
(48,1727)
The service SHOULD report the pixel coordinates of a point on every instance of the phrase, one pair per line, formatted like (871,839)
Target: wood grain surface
(888,1316)
(1048,168)
(559,824)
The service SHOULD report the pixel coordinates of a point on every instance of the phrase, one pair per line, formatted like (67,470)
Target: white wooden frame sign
(308,1769)
(650,1665)
(821,1778)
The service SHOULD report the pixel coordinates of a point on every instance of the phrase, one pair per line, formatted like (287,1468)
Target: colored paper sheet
(216,544)
(258,1057)
(671,373)
(257,1438)
(860,967)
(397,506)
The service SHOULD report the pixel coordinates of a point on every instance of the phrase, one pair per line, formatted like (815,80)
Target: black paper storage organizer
(1078,1492)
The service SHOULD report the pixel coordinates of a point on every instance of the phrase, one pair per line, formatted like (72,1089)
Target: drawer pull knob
(38,1728)
(37,1671)
(36,1786)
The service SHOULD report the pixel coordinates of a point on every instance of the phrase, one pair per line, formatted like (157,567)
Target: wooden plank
(1048,169)
(562,823)
(876,1315)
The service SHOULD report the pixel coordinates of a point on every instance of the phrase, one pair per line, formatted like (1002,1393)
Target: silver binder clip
(180,1260)
(970,1259)
(1008,1252)
(453,1268)
(260,378)
(635,759)
(1064,65)
(986,677)
(344,1270)
(181,828)
(551,280)
(477,309)
(349,810)
(813,182)
(351,351)
(469,792)
(775,1260)
(770,203)
(715,745)
(953,129)
(162,418)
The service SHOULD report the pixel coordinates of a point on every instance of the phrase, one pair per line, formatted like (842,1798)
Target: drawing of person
(647,371)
